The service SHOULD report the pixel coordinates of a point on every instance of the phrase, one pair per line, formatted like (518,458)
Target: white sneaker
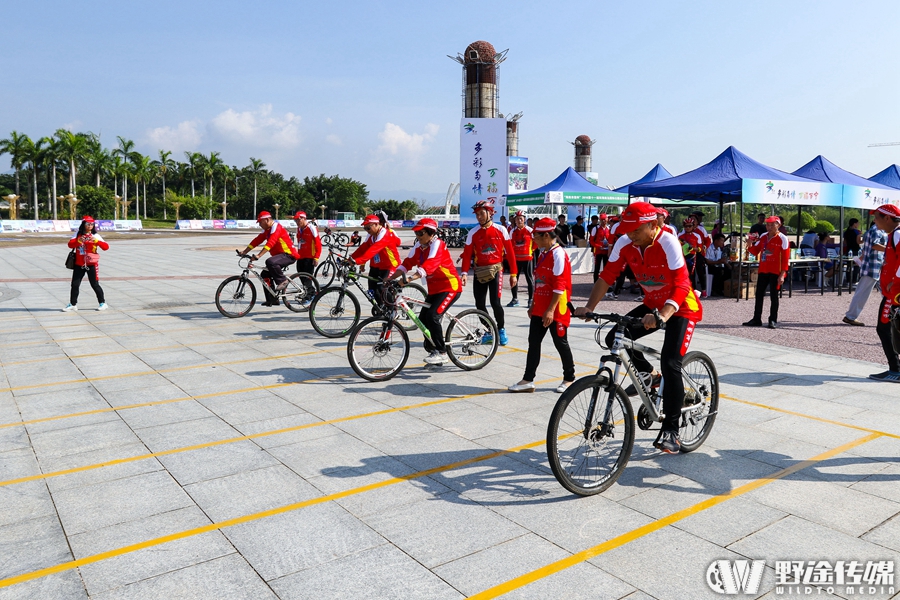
(522,386)
(436,358)
(103,306)
(609,296)
(70,308)
(563,386)
(639,299)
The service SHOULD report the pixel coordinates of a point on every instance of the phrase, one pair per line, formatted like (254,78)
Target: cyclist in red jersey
(693,247)
(381,250)
(658,264)
(599,242)
(309,246)
(276,241)
(523,246)
(772,247)
(486,246)
(430,259)
(887,218)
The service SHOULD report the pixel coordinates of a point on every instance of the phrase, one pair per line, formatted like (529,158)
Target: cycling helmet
(487,205)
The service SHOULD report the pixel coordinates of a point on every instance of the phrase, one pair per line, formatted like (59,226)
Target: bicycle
(335,310)
(378,348)
(591,431)
(328,267)
(236,295)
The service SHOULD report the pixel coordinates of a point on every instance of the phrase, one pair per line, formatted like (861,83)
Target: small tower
(583,145)
(512,133)
(481,83)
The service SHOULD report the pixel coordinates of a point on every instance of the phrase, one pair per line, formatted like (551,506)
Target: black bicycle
(236,295)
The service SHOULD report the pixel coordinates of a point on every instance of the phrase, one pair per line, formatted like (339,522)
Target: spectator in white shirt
(717,262)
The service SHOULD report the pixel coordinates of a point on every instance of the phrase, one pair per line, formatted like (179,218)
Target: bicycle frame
(250,270)
(403,304)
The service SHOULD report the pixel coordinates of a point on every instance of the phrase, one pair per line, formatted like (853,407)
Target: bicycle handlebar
(621,319)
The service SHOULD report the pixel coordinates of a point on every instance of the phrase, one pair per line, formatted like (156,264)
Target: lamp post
(118,200)
(13,205)
(276,211)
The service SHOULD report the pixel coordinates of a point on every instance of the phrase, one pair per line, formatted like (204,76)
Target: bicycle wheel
(416,292)
(301,289)
(378,349)
(588,457)
(341,239)
(235,297)
(324,273)
(467,339)
(701,393)
(334,312)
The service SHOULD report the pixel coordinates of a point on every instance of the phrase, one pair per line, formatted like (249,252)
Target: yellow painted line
(253,436)
(625,538)
(156,372)
(814,418)
(114,352)
(74,564)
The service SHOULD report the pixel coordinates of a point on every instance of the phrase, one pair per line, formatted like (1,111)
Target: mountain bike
(591,430)
(378,348)
(328,267)
(335,310)
(237,294)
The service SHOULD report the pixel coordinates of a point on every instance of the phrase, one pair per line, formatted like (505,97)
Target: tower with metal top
(583,144)
(481,82)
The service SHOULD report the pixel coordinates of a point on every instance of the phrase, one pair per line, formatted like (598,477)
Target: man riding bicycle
(278,244)
(430,259)
(381,250)
(658,265)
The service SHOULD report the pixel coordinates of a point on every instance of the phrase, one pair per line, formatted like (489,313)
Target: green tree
(256,168)
(337,193)
(124,151)
(808,221)
(163,166)
(15,145)
(194,160)
(72,148)
(823,227)
(96,201)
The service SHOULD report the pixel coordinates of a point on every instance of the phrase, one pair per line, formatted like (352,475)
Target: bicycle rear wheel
(416,292)
(587,456)
(235,297)
(701,393)
(334,312)
(325,273)
(467,339)
(378,349)
(301,289)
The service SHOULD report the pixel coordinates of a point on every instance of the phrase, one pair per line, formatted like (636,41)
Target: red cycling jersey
(487,245)
(523,243)
(87,243)
(773,253)
(434,263)
(309,244)
(382,249)
(890,270)
(277,241)
(552,275)
(691,243)
(661,271)
(600,240)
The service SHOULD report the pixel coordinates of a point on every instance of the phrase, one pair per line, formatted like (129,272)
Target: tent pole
(840,271)
(740,256)
(799,223)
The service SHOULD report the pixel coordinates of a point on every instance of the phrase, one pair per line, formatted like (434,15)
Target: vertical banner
(518,174)
(482,165)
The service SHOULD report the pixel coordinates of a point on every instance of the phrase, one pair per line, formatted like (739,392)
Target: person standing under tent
(870,260)
(523,246)
(888,327)
(759,227)
(563,231)
(692,246)
(717,263)
(773,250)
(87,262)
(275,240)
(486,246)
(550,310)
(579,235)
(599,242)
(381,250)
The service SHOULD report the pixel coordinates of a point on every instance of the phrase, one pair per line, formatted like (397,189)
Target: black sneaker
(753,323)
(773,325)
(651,381)
(892,376)
(667,441)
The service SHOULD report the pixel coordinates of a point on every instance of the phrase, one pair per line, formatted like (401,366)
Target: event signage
(518,174)
(774,191)
(483,168)
(869,198)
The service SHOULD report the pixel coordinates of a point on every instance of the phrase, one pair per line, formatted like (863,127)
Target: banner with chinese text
(483,171)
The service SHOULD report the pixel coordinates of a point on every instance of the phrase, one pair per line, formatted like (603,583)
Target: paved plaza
(160,450)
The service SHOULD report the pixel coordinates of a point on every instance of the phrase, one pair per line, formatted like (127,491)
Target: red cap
(87,219)
(425,224)
(263,215)
(891,210)
(661,211)
(300,214)
(635,215)
(545,224)
(773,219)
(604,216)
(371,220)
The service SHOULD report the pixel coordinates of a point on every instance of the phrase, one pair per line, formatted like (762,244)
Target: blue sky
(365,90)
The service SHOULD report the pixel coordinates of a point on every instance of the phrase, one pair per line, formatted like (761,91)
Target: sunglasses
(420,233)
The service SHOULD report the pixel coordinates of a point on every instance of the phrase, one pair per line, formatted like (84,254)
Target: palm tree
(194,159)
(125,149)
(72,147)
(163,165)
(33,152)
(211,165)
(49,156)
(256,167)
(99,161)
(119,169)
(15,146)
(143,171)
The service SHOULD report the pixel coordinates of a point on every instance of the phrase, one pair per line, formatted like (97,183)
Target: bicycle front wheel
(301,289)
(235,297)
(590,436)
(325,273)
(471,339)
(378,349)
(334,312)
(416,292)
(701,394)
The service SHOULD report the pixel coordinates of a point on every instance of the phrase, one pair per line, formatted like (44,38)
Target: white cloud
(258,128)
(333,139)
(397,147)
(328,121)
(184,136)
(73,126)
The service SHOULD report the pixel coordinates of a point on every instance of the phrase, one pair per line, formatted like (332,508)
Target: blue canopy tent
(890,177)
(568,188)
(657,173)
